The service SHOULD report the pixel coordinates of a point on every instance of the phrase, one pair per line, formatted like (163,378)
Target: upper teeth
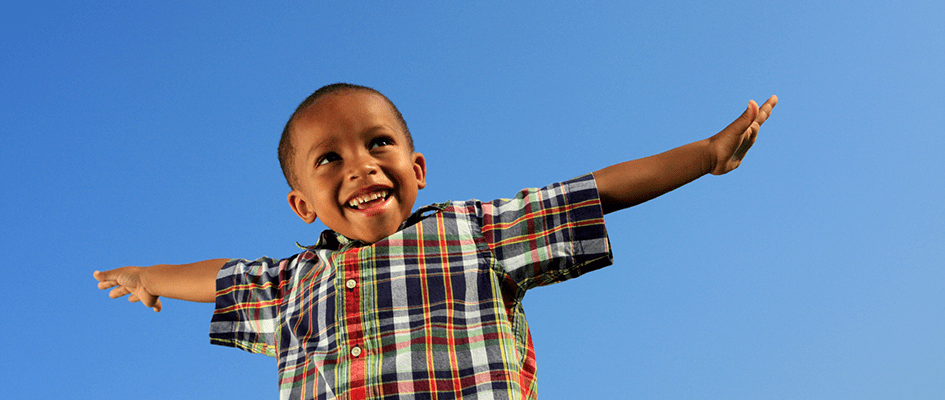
(367,197)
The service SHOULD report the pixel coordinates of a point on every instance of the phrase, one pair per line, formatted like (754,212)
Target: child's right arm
(192,282)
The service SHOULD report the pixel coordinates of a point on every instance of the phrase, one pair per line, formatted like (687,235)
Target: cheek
(322,193)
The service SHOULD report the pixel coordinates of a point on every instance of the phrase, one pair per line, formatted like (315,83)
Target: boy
(394,304)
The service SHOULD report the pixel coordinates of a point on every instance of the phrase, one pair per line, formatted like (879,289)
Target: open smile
(369,200)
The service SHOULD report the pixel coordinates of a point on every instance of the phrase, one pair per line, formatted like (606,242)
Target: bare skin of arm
(622,185)
(192,282)
(633,182)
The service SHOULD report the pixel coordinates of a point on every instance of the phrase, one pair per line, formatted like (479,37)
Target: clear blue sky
(136,133)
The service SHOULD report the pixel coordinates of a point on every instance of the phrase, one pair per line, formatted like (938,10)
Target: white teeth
(366,198)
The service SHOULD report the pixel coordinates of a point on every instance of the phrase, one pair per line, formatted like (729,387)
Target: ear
(420,169)
(301,206)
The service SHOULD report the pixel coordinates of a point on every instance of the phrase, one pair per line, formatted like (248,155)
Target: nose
(362,166)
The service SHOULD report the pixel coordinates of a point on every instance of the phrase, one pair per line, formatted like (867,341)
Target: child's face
(355,169)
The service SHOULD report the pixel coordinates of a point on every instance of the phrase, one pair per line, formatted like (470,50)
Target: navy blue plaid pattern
(433,311)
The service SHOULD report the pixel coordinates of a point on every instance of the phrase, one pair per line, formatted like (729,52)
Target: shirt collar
(331,240)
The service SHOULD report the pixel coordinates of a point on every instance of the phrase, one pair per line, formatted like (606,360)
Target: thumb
(741,124)
(744,121)
(151,301)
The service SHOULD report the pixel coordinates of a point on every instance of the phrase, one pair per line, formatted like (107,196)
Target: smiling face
(355,168)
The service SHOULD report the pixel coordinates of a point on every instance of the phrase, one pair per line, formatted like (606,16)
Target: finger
(753,133)
(148,299)
(105,279)
(743,147)
(772,101)
(765,110)
(744,121)
(118,292)
(102,278)
(155,304)
(107,284)
(749,140)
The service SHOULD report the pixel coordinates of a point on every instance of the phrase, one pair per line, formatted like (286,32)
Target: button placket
(356,349)
(353,306)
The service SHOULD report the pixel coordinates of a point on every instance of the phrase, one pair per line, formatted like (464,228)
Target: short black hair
(287,150)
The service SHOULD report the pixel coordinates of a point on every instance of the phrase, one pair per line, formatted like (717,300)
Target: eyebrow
(314,149)
(380,127)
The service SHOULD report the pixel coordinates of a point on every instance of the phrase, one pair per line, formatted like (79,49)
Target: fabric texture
(432,311)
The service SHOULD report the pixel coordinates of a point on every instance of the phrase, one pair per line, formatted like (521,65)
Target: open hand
(731,144)
(127,280)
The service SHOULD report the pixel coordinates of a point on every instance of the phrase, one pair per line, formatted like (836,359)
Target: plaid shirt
(433,311)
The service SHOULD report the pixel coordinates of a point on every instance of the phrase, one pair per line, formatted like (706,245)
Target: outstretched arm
(191,282)
(633,182)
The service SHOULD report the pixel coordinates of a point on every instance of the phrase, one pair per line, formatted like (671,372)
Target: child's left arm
(633,182)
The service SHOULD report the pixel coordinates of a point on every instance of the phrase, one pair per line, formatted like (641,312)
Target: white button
(355,351)
(351,283)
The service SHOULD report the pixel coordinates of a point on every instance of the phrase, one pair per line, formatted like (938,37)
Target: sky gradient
(138,134)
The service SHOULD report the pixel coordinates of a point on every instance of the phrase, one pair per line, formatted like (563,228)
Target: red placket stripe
(353,325)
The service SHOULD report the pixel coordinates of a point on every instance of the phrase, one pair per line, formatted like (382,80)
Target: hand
(731,144)
(128,281)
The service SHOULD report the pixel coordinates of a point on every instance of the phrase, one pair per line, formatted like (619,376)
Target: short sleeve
(547,235)
(248,305)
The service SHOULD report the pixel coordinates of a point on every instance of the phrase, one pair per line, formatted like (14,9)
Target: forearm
(633,182)
(192,282)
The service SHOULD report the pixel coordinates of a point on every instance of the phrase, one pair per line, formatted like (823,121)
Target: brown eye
(382,141)
(327,158)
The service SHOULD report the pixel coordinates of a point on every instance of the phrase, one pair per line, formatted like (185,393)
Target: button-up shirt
(432,311)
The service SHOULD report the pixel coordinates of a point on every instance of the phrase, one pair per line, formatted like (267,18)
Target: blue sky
(138,134)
